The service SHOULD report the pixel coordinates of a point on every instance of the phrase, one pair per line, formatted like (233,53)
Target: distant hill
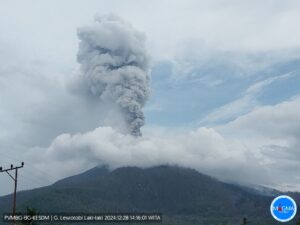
(183,196)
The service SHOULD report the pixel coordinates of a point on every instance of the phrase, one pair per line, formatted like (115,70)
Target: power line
(32,167)
(15,179)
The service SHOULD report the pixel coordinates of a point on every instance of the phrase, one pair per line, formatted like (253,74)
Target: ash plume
(114,67)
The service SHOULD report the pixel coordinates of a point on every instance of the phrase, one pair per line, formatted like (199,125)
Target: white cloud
(230,111)
(224,25)
(243,105)
(203,149)
(273,132)
(259,148)
(38,49)
(278,122)
(257,87)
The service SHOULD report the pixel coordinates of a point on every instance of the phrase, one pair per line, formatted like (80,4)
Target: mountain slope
(181,195)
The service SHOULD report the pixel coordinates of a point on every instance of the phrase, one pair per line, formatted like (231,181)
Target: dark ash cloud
(114,67)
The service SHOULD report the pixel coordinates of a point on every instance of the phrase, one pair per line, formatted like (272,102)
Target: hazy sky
(225,90)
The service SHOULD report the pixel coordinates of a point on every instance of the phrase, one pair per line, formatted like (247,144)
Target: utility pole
(15,179)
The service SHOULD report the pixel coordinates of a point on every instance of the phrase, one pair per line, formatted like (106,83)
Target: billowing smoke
(114,67)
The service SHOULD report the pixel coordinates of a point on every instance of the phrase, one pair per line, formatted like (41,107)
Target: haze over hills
(183,196)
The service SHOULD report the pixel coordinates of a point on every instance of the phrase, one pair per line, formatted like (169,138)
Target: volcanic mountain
(183,196)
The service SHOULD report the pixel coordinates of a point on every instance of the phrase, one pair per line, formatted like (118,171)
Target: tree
(31,212)
(244,221)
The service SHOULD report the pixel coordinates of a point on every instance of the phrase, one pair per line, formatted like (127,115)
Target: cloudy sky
(225,90)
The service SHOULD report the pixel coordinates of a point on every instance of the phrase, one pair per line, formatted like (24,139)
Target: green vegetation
(183,196)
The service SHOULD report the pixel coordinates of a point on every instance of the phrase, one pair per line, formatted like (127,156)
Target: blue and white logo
(283,208)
